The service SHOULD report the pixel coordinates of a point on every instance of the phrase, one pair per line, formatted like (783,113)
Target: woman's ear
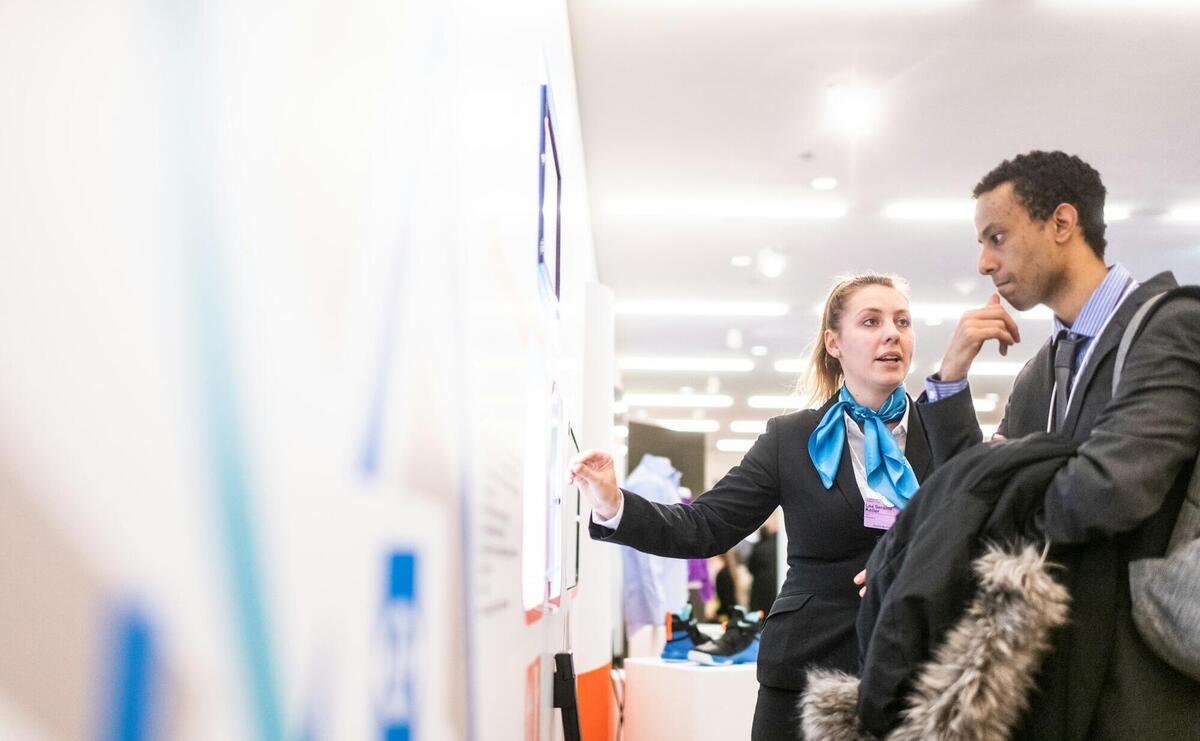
(831,344)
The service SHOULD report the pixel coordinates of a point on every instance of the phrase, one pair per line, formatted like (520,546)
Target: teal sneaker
(683,634)
(738,645)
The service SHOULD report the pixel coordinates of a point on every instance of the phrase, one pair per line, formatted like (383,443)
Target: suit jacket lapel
(844,482)
(1109,339)
(916,447)
(847,483)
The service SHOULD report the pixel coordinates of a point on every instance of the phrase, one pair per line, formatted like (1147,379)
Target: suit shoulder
(1176,321)
(802,418)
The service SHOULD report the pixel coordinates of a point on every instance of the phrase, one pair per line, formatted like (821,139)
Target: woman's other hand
(594,473)
(861,579)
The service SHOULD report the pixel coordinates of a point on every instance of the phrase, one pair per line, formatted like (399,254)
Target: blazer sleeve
(950,424)
(1122,473)
(718,519)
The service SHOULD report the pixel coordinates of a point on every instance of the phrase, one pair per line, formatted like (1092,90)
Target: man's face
(1018,253)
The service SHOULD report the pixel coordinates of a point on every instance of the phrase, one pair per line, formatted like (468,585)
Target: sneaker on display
(738,645)
(683,634)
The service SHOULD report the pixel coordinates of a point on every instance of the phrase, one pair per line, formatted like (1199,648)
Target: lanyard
(1087,357)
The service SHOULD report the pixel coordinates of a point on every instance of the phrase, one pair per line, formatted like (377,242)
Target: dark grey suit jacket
(812,621)
(1120,495)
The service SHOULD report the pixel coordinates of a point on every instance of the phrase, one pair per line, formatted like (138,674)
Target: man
(1040,221)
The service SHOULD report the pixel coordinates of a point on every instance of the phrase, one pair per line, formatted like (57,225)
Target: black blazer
(812,621)
(1120,493)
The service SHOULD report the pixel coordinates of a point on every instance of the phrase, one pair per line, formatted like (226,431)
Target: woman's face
(875,341)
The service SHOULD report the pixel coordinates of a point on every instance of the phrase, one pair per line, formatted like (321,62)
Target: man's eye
(997,238)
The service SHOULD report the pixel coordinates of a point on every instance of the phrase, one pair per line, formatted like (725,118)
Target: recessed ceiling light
(824,183)
(1185,213)
(758,208)
(734,444)
(748,426)
(773,402)
(1117,212)
(771,263)
(741,261)
(688,425)
(733,338)
(709,401)
(702,365)
(984,405)
(931,210)
(851,109)
(990,368)
(620,432)
(965,286)
(702,308)
(759,351)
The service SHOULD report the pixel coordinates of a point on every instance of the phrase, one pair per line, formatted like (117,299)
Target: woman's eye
(903,322)
(870,322)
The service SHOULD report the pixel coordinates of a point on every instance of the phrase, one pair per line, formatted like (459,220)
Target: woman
(841,473)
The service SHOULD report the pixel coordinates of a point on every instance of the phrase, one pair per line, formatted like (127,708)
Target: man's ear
(831,345)
(1065,221)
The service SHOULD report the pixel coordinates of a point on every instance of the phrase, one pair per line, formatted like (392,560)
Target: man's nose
(986,265)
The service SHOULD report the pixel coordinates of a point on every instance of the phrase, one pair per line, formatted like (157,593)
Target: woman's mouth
(890,358)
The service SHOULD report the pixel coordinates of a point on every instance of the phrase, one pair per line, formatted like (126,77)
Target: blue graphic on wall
(394,680)
(132,680)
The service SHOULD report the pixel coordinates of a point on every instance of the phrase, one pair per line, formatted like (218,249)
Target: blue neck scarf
(888,471)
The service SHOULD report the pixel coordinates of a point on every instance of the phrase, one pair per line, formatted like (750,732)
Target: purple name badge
(878,513)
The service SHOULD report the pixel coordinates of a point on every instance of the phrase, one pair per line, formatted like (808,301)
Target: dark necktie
(1065,348)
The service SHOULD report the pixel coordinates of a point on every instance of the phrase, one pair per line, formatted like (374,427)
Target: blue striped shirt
(1096,312)
(1100,306)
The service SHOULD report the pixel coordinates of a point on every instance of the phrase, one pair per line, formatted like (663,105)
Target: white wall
(263,268)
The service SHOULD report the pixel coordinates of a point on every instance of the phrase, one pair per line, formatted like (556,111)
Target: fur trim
(829,707)
(977,684)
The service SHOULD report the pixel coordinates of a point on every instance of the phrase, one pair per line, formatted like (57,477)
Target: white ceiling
(725,101)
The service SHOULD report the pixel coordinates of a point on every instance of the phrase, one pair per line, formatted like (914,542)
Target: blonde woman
(841,473)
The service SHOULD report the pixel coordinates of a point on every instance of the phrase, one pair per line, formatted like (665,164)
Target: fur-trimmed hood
(977,685)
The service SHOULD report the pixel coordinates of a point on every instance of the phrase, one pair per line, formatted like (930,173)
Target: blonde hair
(823,375)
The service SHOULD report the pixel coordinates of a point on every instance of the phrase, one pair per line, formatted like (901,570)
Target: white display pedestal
(667,700)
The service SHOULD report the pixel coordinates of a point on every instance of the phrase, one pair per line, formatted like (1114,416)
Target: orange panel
(595,696)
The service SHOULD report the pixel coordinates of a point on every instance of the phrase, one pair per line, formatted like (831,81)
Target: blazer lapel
(916,447)
(1109,339)
(844,482)
(847,483)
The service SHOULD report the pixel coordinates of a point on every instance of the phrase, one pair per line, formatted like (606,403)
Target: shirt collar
(1100,305)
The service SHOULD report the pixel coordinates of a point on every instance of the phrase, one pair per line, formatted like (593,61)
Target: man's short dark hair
(1043,180)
